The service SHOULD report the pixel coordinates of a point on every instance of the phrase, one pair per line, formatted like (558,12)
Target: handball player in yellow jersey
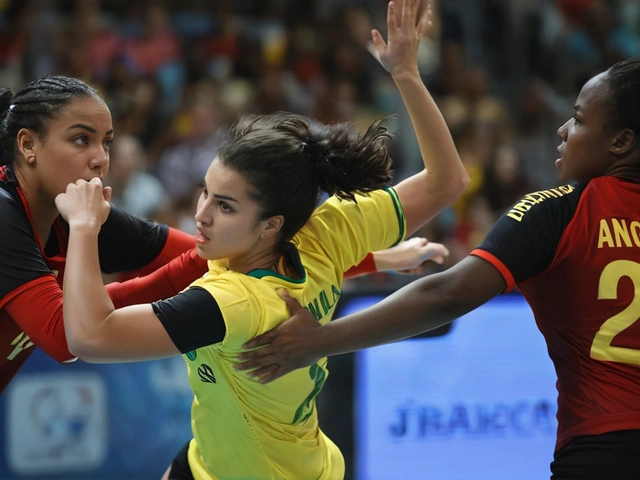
(259,227)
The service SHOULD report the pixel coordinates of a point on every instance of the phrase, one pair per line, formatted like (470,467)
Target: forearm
(86,301)
(439,154)
(427,193)
(416,308)
(421,306)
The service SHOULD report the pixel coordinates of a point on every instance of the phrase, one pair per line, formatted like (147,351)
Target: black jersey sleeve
(21,260)
(128,243)
(192,319)
(525,239)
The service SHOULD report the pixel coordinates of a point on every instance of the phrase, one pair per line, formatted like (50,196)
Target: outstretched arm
(420,306)
(426,194)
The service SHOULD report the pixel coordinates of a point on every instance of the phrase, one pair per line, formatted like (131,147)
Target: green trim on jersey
(294,257)
(399,212)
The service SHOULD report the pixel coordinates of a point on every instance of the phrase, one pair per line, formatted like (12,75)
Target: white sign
(56,423)
(477,403)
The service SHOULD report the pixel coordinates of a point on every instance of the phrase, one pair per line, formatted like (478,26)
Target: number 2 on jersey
(601,348)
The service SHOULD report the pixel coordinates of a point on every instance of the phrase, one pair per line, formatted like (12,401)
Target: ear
(271,226)
(27,142)
(624,142)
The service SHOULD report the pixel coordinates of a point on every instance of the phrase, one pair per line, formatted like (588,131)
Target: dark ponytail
(346,161)
(289,159)
(33,106)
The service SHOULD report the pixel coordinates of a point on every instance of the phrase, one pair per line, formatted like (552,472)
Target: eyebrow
(225,197)
(87,127)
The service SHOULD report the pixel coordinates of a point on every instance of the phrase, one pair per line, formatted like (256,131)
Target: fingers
(434,249)
(260,340)
(272,375)
(106,193)
(439,259)
(263,368)
(392,23)
(425,20)
(254,359)
(291,302)
(379,45)
(409,8)
(418,241)
(263,372)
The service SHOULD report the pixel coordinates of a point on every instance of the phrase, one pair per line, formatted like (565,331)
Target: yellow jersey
(245,430)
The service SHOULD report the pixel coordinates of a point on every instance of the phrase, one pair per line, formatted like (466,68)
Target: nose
(562,131)
(100,161)
(202,216)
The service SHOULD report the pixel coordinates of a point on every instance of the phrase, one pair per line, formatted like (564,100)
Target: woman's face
(76,147)
(586,138)
(227,218)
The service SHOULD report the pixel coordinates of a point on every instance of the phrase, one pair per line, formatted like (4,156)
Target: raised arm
(426,194)
(95,331)
(422,196)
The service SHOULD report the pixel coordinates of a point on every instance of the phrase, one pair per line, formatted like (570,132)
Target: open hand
(289,346)
(407,22)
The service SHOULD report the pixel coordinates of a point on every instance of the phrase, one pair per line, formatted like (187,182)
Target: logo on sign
(56,423)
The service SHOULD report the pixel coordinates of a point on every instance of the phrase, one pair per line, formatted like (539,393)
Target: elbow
(82,348)
(460,183)
(464,180)
(451,190)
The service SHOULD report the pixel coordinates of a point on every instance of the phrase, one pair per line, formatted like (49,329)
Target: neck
(43,209)
(629,173)
(263,260)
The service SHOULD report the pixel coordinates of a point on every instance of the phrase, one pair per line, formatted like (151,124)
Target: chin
(201,253)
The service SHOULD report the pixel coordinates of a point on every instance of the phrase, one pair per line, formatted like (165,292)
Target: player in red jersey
(574,252)
(55,131)
(52,132)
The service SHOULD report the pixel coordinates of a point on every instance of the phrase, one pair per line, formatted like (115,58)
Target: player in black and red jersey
(574,252)
(53,132)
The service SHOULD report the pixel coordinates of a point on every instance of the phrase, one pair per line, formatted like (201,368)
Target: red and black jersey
(574,252)
(31,274)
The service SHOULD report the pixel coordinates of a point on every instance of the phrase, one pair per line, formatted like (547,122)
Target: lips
(201,237)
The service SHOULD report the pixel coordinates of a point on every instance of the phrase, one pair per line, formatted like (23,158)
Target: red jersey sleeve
(177,243)
(36,307)
(163,283)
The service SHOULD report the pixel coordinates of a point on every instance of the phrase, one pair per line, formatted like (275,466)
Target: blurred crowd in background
(175,74)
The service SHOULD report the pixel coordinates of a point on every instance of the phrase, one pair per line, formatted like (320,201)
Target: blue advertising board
(81,421)
(478,402)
